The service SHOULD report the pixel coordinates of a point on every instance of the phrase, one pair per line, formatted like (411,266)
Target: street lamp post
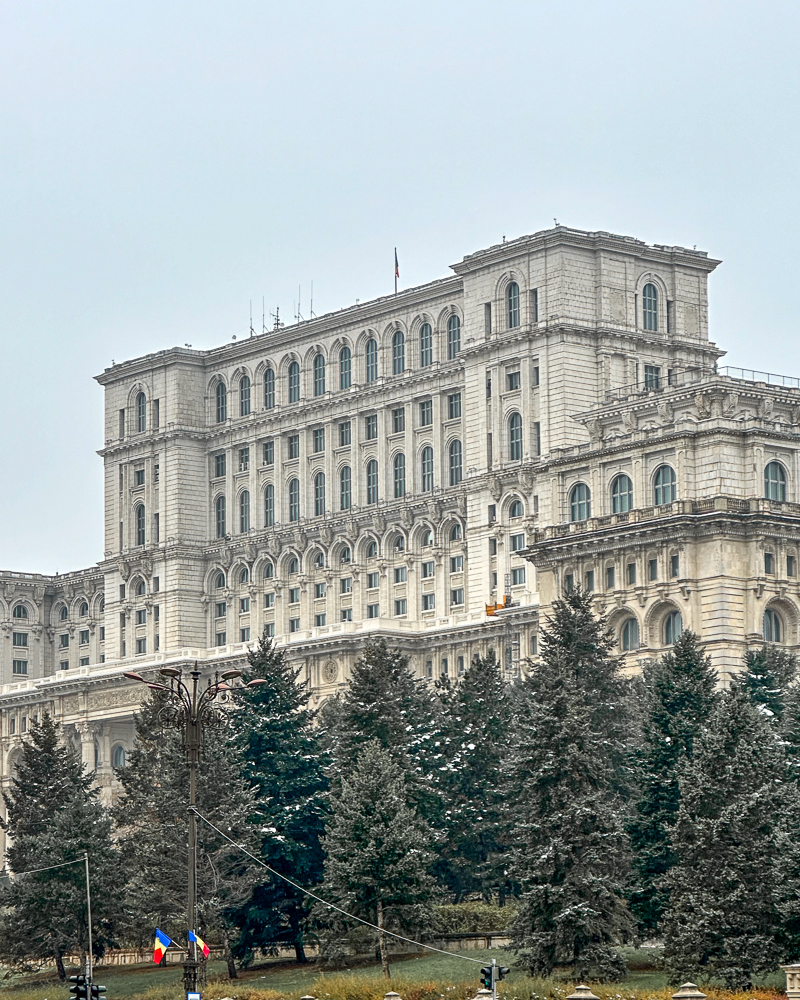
(190,709)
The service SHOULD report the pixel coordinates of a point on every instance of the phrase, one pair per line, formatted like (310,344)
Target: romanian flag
(161,945)
(396,265)
(200,943)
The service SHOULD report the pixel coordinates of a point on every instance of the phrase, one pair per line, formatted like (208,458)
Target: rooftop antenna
(263,317)
(298,317)
(311,306)
(555,221)
(252,331)
(276,316)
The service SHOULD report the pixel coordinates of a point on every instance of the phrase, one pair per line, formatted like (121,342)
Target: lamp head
(133,676)
(257,682)
(170,672)
(229,675)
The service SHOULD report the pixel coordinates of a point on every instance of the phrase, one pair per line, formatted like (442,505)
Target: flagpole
(395,270)
(89,918)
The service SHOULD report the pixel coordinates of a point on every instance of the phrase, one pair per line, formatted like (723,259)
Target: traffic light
(97,992)
(502,971)
(486,976)
(80,990)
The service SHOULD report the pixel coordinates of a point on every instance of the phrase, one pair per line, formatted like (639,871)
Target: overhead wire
(33,871)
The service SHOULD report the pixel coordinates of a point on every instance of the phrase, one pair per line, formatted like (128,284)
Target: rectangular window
(83,661)
(610,578)
(63,641)
(456,564)
(537,437)
(373,611)
(400,574)
(674,565)
(768,563)
(219,465)
(489,450)
(141,645)
(244,634)
(19,666)
(428,602)
(269,453)
(487,318)
(652,377)
(399,420)
(517,576)
(652,569)
(21,639)
(138,477)
(244,460)
(102,633)
(269,630)
(460,665)
(535,376)
(791,566)
(156,528)
(346,615)
(517,542)
(512,381)
(401,607)
(319,590)
(221,609)
(454,406)
(457,596)
(294,446)
(589,581)
(569,583)
(294,624)
(244,605)
(488,385)
(344,432)
(630,573)
(346,585)
(157,613)
(221,638)
(492,516)
(371,427)
(534,305)
(122,423)
(319,440)
(156,468)
(373,581)
(428,570)
(320,619)
(156,412)
(64,664)
(269,600)
(294,595)
(426,413)
(141,618)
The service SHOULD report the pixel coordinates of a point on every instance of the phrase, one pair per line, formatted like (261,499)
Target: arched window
(269,389)
(345,555)
(372,481)
(294,382)
(345,488)
(427,537)
(455,462)
(664,490)
(630,635)
(244,511)
(580,502)
(650,306)
(319,560)
(244,575)
(141,412)
(398,353)
(294,499)
(269,506)
(427,469)
(425,345)
(455,533)
(319,494)
(244,395)
(83,611)
(141,589)
(516,509)
(222,403)
(372,550)
(140,524)
(371,355)
(269,571)
(453,337)
(118,756)
(621,494)
(319,375)
(399,544)
(63,614)
(673,626)
(775,482)
(773,626)
(20,611)
(219,513)
(512,305)
(219,583)
(399,471)
(345,368)
(515,437)
(293,565)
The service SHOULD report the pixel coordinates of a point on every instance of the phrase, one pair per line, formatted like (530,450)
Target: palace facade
(433,467)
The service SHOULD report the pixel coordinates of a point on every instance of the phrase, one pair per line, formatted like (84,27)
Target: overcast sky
(163,163)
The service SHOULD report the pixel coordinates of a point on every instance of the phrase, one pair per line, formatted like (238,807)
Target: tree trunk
(382,943)
(62,975)
(226,946)
(299,948)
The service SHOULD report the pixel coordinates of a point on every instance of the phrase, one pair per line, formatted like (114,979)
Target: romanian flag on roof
(200,943)
(162,943)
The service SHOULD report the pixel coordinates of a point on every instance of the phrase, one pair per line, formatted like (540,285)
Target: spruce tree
(54,816)
(566,777)
(284,764)
(722,919)
(678,694)
(769,673)
(376,847)
(475,719)
(152,823)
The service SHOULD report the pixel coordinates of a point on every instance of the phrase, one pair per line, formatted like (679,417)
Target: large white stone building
(551,415)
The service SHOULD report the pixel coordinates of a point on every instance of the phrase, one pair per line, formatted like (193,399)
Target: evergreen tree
(566,774)
(152,822)
(475,720)
(722,919)
(678,695)
(377,857)
(54,816)
(769,672)
(284,764)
